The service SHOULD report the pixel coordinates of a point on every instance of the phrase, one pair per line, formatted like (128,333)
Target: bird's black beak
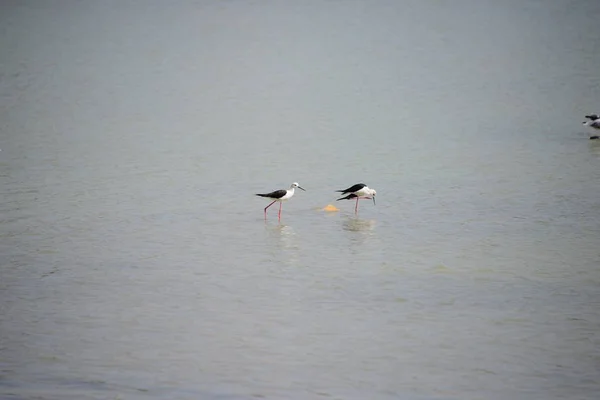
(299,187)
(374,200)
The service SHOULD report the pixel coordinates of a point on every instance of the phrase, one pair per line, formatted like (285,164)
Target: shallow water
(135,262)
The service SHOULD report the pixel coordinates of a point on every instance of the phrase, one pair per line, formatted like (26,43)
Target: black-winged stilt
(594,122)
(280,196)
(358,191)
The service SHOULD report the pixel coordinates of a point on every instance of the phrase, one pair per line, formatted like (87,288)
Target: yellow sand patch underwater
(331,208)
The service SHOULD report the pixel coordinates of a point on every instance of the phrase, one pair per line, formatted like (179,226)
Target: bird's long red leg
(280,203)
(268,207)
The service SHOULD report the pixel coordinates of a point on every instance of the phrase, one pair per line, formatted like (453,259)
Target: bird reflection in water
(284,243)
(594,147)
(360,232)
(359,225)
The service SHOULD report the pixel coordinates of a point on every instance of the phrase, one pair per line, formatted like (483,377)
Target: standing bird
(594,122)
(358,191)
(280,196)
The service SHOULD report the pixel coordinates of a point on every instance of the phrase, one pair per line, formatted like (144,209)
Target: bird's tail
(262,195)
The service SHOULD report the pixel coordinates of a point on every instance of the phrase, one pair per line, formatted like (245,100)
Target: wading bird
(280,196)
(593,122)
(358,191)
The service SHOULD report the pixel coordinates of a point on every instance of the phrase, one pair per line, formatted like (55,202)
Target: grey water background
(135,262)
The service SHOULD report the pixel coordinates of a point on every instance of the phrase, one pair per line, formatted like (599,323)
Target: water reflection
(360,234)
(285,242)
(359,225)
(595,147)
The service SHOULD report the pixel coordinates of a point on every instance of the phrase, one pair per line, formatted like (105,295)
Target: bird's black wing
(273,195)
(349,197)
(593,117)
(352,189)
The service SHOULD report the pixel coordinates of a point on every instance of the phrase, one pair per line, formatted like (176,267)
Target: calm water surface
(135,262)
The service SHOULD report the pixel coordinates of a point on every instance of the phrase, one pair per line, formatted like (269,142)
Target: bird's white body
(365,192)
(288,195)
(594,124)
